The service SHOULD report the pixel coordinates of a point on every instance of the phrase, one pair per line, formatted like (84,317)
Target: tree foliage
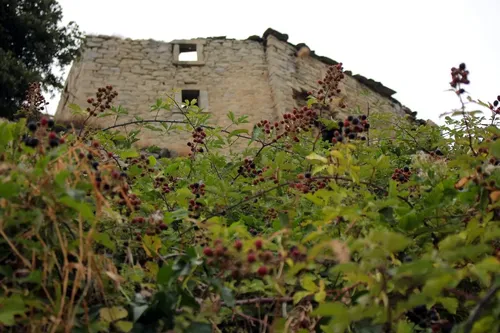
(397,232)
(32,41)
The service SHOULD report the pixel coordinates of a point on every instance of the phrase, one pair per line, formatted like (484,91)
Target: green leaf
(199,328)
(124,326)
(307,282)
(113,313)
(11,307)
(404,327)
(227,297)
(130,153)
(316,157)
(238,132)
(104,239)
(335,309)
(450,304)
(81,207)
(299,295)
(495,148)
(9,190)
(165,274)
(152,160)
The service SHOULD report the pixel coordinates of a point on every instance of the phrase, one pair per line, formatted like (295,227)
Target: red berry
(251,257)
(52,135)
(61,140)
(44,121)
(219,250)
(258,244)
(262,271)
(238,245)
(208,252)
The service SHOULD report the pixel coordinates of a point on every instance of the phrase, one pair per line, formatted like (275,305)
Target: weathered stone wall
(254,77)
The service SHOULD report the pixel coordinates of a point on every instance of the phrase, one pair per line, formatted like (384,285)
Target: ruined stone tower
(261,77)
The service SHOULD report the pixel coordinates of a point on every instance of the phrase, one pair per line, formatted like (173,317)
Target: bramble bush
(365,223)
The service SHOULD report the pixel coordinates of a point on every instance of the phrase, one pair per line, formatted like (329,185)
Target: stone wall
(256,77)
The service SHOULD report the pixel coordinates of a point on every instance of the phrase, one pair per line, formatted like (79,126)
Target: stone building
(261,77)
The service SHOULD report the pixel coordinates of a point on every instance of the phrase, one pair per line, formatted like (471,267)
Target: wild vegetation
(371,224)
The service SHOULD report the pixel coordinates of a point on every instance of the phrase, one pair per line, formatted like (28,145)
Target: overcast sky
(409,46)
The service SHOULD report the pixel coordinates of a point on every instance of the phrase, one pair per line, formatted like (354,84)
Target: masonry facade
(261,77)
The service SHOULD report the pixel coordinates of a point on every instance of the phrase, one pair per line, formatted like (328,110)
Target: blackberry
(32,126)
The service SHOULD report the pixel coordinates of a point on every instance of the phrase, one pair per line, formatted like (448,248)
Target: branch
(474,316)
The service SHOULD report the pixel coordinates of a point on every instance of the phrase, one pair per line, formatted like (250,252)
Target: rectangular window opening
(190,95)
(188,52)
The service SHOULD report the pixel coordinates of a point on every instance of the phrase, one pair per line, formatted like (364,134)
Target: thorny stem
(474,316)
(467,127)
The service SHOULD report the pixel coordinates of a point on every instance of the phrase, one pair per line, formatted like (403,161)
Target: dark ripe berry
(352,136)
(238,245)
(495,103)
(438,152)
(258,244)
(367,126)
(32,142)
(90,156)
(341,124)
(340,138)
(401,178)
(50,123)
(355,121)
(262,271)
(498,98)
(208,252)
(363,117)
(53,143)
(363,138)
(347,130)
(350,118)
(32,126)
(251,258)
(406,169)
(95,164)
(461,91)
(307,175)
(462,66)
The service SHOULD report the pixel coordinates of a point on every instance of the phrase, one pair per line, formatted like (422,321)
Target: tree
(32,41)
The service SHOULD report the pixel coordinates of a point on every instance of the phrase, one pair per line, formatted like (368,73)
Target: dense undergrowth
(386,226)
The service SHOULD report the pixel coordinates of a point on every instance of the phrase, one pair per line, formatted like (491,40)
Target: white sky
(409,46)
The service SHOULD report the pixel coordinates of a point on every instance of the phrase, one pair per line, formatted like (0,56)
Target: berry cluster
(167,185)
(330,84)
(152,226)
(142,163)
(195,206)
(351,128)
(239,264)
(459,76)
(308,184)
(296,255)
(271,214)
(248,169)
(103,100)
(39,133)
(495,107)
(402,175)
(199,136)
(34,103)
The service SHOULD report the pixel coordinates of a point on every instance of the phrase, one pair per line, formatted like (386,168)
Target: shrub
(356,227)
